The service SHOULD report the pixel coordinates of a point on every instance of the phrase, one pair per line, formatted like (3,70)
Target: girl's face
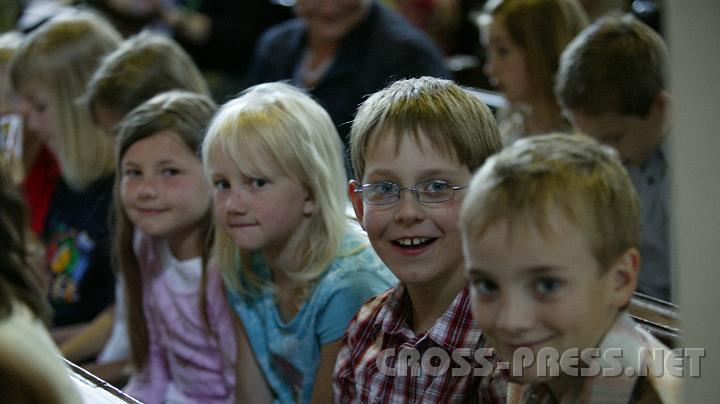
(163,189)
(506,64)
(260,210)
(40,113)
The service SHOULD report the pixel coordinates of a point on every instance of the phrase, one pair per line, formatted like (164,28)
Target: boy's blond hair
(61,55)
(283,125)
(617,65)
(452,119)
(572,174)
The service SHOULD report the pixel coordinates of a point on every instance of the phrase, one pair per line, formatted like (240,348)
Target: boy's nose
(409,209)
(514,316)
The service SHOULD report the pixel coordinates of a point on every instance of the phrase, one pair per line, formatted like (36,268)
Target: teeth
(412,241)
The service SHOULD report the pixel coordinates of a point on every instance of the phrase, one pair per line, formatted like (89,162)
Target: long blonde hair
(62,55)
(296,134)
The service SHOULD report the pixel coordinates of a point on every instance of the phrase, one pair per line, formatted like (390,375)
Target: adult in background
(343,50)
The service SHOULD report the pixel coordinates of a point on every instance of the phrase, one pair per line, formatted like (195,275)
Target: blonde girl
(181,332)
(524,40)
(49,71)
(295,270)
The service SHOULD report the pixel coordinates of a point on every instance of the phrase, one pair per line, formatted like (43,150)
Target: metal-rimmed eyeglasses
(387,192)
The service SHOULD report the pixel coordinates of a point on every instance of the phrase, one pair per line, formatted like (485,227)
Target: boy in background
(424,136)
(551,230)
(611,85)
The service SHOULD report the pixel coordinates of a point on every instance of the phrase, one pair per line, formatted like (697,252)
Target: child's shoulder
(641,355)
(374,311)
(356,256)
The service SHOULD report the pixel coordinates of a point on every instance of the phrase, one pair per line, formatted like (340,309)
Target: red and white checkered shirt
(381,360)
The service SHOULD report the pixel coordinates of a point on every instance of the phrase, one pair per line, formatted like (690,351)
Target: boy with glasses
(415,342)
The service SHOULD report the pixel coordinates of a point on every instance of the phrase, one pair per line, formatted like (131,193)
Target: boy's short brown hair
(616,65)
(454,121)
(574,174)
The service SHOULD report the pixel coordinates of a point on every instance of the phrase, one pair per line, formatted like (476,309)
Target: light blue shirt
(288,353)
(652,186)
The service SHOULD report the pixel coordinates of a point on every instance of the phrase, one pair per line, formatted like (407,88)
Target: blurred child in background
(524,40)
(49,71)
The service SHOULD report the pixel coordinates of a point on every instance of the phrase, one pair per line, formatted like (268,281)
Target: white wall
(694,38)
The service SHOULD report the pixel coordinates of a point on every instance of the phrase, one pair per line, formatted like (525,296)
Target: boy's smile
(419,242)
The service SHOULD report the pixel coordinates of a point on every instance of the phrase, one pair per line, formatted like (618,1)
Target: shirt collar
(454,329)
(624,336)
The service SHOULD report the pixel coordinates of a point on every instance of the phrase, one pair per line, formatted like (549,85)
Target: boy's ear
(624,274)
(662,102)
(661,109)
(357,202)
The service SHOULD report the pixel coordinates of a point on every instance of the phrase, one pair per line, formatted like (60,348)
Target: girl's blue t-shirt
(288,353)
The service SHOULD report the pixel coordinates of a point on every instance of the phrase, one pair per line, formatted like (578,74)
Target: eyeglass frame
(413,189)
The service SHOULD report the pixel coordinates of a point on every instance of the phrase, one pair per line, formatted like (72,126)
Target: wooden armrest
(660,318)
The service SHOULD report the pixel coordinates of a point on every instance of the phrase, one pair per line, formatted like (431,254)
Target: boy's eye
(547,286)
(433,187)
(221,184)
(258,183)
(384,188)
(170,172)
(483,287)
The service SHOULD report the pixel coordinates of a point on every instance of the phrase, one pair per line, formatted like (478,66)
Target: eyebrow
(164,162)
(537,270)
(158,163)
(431,172)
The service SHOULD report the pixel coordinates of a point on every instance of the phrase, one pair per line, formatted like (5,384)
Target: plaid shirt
(371,365)
(630,338)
